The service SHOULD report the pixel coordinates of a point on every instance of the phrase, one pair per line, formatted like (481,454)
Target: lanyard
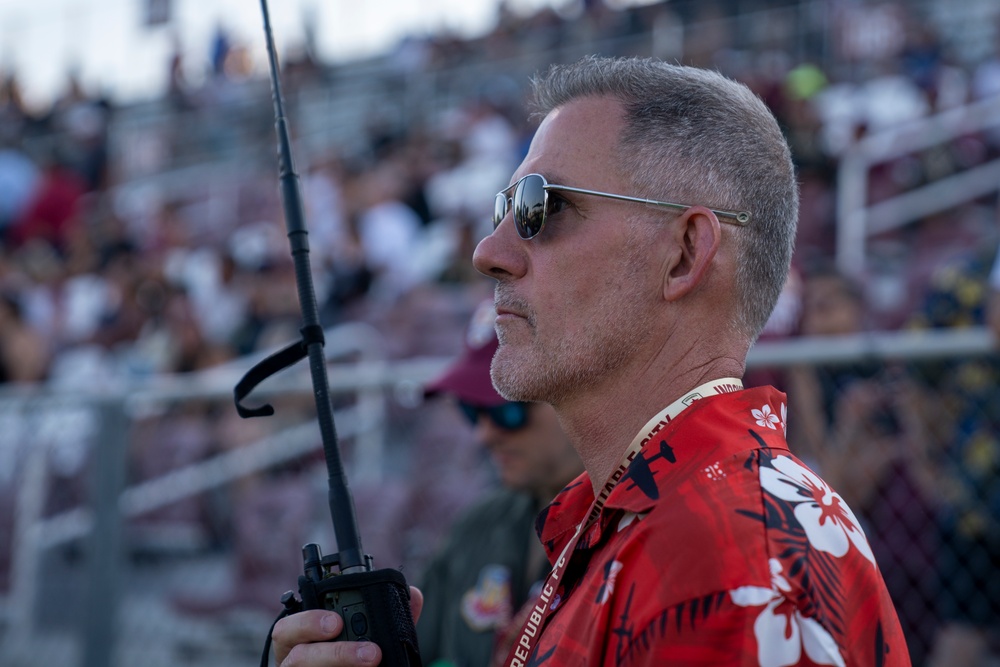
(531,630)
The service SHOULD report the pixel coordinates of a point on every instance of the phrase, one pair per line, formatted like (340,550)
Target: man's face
(571,301)
(537,458)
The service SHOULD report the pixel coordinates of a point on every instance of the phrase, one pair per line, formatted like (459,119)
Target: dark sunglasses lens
(529,206)
(499,209)
(510,416)
(470,412)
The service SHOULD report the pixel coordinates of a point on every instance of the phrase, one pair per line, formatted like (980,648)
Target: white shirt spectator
(18,179)
(390,234)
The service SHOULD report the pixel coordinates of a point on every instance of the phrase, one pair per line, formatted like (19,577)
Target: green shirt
(475,583)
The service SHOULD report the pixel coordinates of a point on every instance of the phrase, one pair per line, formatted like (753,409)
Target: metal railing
(858,220)
(105,417)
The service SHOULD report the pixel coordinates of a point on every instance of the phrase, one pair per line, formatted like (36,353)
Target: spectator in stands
(863,426)
(170,340)
(832,305)
(993,297)
(24,355)
(491,560)
(13,113)
(19,176)
(482,146)
(179,93)
(53,210)
(968,391)
(390,233)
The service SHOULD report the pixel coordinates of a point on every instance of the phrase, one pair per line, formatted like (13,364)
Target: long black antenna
(375,604)
(345,524)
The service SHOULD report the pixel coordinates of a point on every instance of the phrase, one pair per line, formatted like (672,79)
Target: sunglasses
(510,416)
(529,200)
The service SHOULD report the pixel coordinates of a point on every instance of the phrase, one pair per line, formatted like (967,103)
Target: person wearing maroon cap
(491,559)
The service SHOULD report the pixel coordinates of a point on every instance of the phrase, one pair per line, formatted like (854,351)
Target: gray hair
(694,136)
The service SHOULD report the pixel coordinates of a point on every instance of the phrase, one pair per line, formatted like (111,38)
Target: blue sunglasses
(511,416)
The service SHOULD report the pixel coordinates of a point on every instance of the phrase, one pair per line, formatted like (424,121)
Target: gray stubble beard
(567,369)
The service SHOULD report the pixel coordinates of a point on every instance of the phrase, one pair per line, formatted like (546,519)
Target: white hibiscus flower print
(829,523)
(765,417)
(782,632)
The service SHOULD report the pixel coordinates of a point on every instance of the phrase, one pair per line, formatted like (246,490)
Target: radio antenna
(375,604)
(342,510)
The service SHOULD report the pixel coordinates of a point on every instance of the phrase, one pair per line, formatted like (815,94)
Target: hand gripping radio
(375,604)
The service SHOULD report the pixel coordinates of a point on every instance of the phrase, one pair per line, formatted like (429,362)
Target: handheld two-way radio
(373,603)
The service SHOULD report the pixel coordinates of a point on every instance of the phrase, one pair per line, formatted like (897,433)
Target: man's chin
(506,381)
(525,378)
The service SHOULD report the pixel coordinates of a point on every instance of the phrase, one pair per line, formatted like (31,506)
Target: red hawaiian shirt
(717,547)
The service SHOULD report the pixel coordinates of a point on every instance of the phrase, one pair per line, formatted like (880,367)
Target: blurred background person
(492,559)
(963,419)
(863,427)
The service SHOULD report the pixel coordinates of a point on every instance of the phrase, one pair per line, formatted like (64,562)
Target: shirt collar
(725,425)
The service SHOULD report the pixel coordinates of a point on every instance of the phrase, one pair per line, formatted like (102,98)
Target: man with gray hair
(638,253)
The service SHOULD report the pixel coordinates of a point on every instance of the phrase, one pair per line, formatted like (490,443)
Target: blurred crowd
(172,284)
(96,289)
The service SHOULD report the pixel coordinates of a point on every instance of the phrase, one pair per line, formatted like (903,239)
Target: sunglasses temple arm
(741,217)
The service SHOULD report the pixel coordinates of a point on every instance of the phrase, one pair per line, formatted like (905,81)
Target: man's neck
(601,424)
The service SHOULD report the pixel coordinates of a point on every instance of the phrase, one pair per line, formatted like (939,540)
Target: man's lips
(508,313)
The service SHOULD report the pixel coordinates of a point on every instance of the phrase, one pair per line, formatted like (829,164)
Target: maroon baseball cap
(468,378)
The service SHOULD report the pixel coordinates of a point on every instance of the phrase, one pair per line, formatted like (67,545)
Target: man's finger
(333,654)
(416,602)
(314,625)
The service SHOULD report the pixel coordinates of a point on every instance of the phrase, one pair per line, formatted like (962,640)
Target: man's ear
(695,238)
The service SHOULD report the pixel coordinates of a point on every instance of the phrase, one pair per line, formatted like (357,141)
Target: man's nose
(487,433)
(501,254)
